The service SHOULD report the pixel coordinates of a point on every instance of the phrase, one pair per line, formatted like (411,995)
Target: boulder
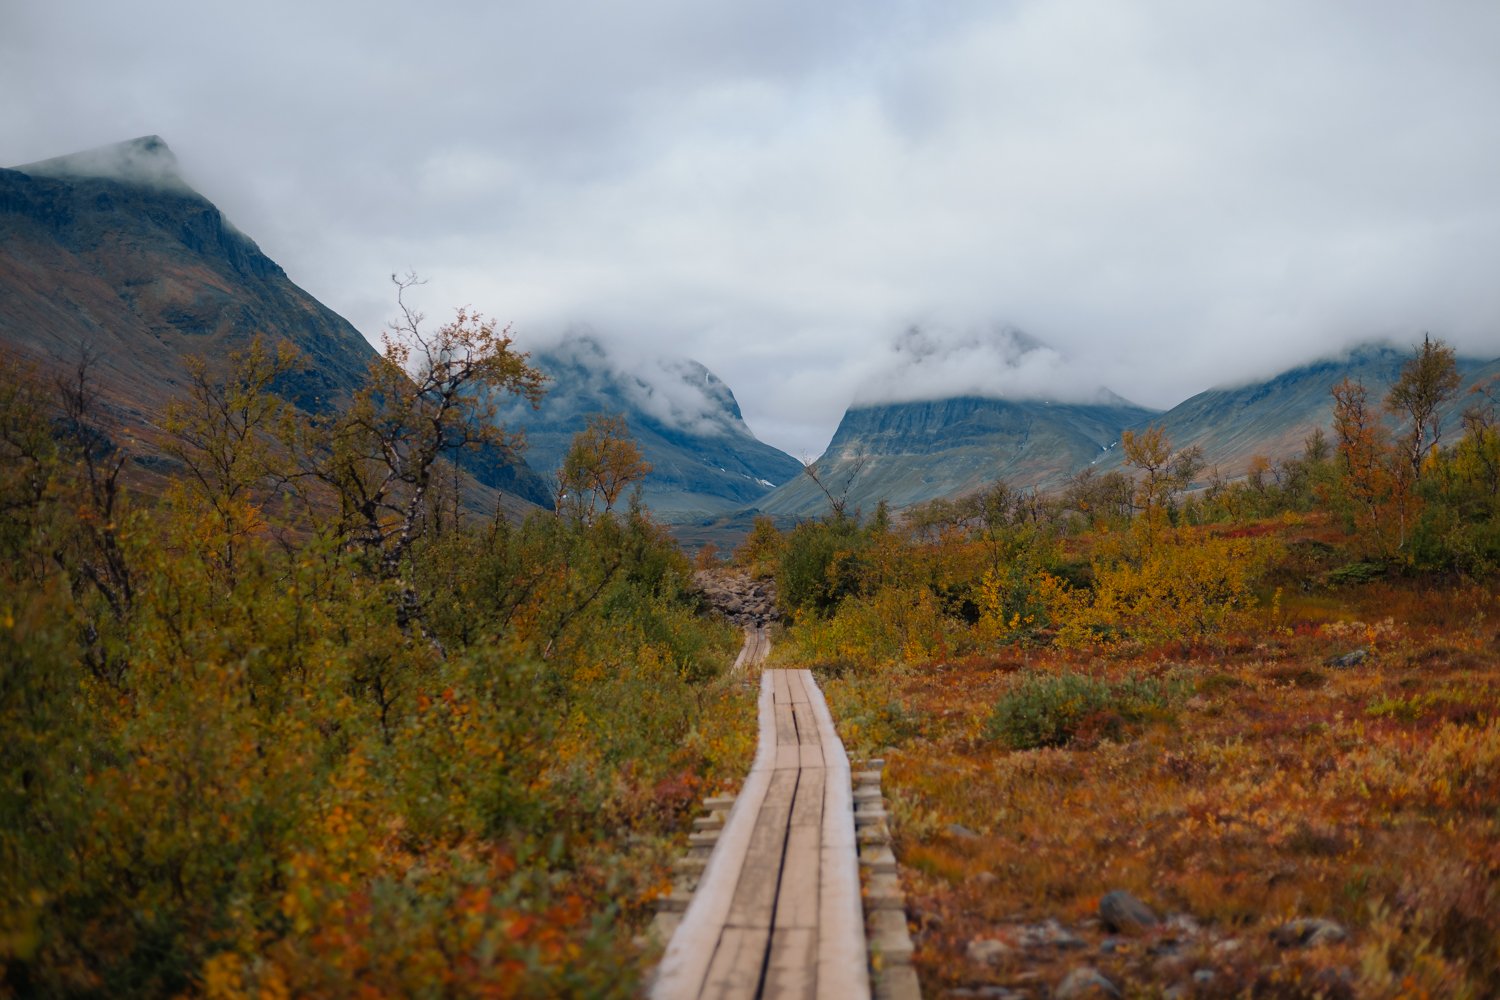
(1084,983)
(1308,932)
(1123,913)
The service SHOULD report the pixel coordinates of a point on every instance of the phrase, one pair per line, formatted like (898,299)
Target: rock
(1183,925)
(1124,914)
(1308,932)
(985,878)
(1084,983)
(1352,659)
(988,951)
(1050,934)
(961,832)
(738,597)
(1203,977)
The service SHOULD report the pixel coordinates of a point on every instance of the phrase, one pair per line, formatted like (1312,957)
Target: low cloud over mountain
(993,361)
(705,460)
(675,392)
(146,162)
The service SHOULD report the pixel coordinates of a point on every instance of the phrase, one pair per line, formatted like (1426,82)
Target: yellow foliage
(1179,590)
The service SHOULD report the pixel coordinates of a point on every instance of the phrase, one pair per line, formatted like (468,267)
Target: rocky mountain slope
(1274,417)
(110,251)
(705,460)
(905,453)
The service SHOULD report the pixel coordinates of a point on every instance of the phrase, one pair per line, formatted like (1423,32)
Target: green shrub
(821,565)
(1356,573)
(870,711)
(1046,710)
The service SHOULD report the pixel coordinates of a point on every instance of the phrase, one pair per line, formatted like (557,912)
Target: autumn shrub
(870,709)
(1183,589)
(894,625)
(246,752)
(760,553)
(1047,710)
(1018,596)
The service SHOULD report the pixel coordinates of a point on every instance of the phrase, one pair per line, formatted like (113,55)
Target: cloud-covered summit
(936,361)
(705,460)
(677,392)
(147,161)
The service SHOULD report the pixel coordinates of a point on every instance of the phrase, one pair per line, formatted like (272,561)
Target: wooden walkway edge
(777,912)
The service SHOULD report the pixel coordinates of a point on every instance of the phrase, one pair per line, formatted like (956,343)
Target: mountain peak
(146,160)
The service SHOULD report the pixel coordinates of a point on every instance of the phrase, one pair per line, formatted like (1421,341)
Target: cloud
(147,161)
(676,392)
(1173,195)
(937,361)
(681,394)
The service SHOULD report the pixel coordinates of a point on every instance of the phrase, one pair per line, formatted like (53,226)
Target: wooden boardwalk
(777,912)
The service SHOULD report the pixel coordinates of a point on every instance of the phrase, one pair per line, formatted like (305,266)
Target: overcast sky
(1169,194)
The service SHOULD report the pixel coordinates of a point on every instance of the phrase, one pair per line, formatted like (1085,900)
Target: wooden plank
(782,680)
(755,649)
(797,901)
(834,759)
(792,967)
(789,694)
(685,964)
(789,756)
(738,962)
(786,724)
(798,683)
(808,806)
(755,895)
(807,724)
(842,968)
(809,757)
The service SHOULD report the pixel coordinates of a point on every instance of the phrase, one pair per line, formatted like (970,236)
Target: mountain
(905,453)
(112,252)
(1274,417)
(705,460)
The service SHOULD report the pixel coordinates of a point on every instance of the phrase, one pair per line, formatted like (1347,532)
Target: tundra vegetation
(301,725)
(1265,707)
